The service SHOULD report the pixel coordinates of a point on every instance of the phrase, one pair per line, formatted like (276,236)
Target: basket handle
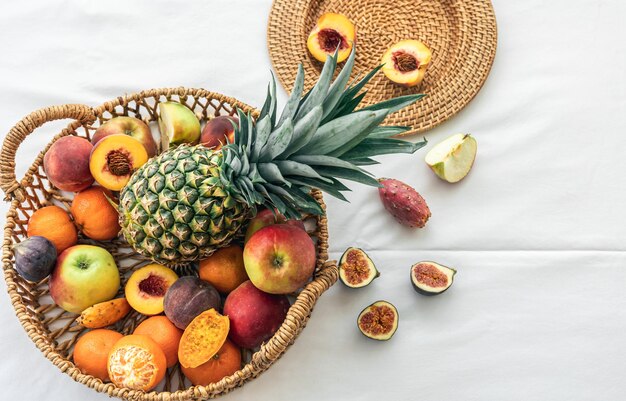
(83,115)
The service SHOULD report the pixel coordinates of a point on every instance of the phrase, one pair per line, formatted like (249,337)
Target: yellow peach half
(405,62)
(146,288)
(115,158)
(331,32)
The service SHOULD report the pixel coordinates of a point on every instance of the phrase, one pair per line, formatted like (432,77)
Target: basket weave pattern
(461,34)
(53,330)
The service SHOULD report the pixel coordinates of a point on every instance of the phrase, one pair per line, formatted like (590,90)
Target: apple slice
(178,124)
(453,158)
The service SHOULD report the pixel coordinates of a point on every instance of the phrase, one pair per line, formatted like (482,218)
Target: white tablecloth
(536,231)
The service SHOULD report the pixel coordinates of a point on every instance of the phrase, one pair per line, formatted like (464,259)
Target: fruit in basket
(430,278)
(54,224)
(104,313)
(189,201)
(84,275)
(279,258)
(115,158)
(331,32)
(219,131)
(66,163)
(91,352)
(254,315)
(187,298)
(405,62)
(404,203)
(164,333)
(378,321)
(136,362)
(203,338)
(177,124)
(356,269)
(453,158)
(147,286)
(34,258)
(226,362)
(267,217)
(130,126)
(224,269)
(94,214)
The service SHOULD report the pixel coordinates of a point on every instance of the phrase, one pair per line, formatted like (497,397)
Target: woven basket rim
(299,312)
(288,20)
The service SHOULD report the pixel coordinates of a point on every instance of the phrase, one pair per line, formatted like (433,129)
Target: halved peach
(115,158)
(331,32)
(146,288)
(405,62)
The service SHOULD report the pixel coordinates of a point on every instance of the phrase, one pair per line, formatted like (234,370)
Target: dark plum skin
(35,258)
(187,298)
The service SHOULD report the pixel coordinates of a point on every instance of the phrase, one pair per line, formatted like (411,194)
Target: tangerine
(224,269)
(226,362)
(95,215)
(53,223)
(164,333)
(91,352)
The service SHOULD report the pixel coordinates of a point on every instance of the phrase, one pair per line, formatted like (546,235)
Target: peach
(279,258)
(66,163)
(266,218)
(130,126)
(331,32)
(146,288)
(84,275)
(115,158)
(405,62)
(219,131)
(254,315)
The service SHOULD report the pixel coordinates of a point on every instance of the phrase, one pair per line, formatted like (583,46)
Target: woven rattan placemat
(461,34)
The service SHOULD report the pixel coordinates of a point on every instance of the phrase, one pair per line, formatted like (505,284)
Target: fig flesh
(430,278)
(356,269)
(34,258)
(378,321)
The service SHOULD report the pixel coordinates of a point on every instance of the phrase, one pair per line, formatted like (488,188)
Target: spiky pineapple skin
(404,203)
(175,208)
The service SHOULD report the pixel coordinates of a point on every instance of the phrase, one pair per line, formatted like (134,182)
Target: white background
(537,230)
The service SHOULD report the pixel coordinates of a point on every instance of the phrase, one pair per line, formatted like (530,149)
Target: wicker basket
(53,330)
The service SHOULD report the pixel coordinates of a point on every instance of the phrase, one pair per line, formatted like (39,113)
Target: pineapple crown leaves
(319,139)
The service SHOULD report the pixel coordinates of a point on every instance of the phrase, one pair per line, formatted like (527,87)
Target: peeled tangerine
(405,62)
(331,32)
(115,158)
(379,321)
(453,158)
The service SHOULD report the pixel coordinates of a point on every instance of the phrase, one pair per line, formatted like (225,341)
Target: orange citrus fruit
(226,362)
(53,223)
(94,215)
(164,333)
(136,362)
(91,352)
(224,269)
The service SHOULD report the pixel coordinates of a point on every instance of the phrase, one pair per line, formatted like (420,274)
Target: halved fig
(379,321)
(430,278)
(405,62)
(356,269)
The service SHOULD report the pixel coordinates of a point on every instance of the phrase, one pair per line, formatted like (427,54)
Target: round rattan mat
(460,33)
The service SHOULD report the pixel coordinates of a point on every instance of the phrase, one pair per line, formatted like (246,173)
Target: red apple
(266,218)
(218,131)
(279,258)
(84,275)
(254,315)
(128,126)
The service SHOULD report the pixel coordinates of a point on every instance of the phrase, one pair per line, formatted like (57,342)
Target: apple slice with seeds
(453,158)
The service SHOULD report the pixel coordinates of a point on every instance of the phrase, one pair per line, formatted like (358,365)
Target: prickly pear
(404,203)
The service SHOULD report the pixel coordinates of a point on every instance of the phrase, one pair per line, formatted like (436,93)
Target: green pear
(453,158)
(178,124)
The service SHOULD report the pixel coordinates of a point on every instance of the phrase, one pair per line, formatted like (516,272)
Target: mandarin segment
(203,338)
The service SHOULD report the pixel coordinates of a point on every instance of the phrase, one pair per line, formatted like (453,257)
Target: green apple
(453,158)
(84,275)
(177,124)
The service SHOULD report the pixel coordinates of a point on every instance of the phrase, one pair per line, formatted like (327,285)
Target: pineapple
(189,201)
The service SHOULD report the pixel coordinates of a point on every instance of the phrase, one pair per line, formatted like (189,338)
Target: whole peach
(66,163)
(217,131)
(254,315)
